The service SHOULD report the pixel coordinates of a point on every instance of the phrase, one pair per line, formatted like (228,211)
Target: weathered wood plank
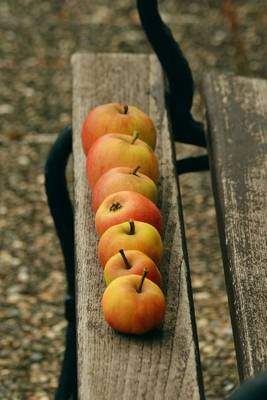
(162,365)
(237,138)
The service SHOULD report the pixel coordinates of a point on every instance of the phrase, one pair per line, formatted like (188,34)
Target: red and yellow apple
(118,150)
(116,117)
(123,179)
(130,262)
(132,235)
(133,304)
(123,206)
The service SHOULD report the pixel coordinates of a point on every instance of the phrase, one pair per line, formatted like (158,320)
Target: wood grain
(162,364)
(237,138)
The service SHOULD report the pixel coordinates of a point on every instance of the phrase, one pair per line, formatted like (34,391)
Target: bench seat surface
(163,364)
(237,141)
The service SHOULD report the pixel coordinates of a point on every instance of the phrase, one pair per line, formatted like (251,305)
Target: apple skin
(137,260)
(145,238)
(125,205)
(111,117)
(123,179)
(128,311)
(117,150)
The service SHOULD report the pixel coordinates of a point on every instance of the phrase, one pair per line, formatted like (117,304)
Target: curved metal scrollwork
(179,93)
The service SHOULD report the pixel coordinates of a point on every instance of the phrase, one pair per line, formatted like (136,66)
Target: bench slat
(237,138)
(164,364)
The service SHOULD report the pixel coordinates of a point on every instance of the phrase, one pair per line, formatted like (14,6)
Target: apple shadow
(156,334)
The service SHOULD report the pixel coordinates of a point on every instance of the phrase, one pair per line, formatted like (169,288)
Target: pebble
(201,296)
(36,356)
(23,275)
(6,109)
(23,160)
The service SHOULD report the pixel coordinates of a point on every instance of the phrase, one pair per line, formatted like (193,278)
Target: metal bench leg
(62,213)
(252,389)
(192,164)
(179,96)
(67,388)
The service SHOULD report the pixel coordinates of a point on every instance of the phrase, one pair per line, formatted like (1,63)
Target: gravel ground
(38,38)
(32,278)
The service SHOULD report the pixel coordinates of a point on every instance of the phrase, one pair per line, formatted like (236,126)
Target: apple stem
(125,110)
(135,170)
(135,137)
(132,227)
(139,289)
(126,262)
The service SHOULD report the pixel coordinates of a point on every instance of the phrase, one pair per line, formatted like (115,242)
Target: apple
(131,262)
(120,118)
(132,235)
(133,304)
(118,150)
(122,206)
(123,179)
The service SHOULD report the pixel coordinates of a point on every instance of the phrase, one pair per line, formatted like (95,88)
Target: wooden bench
(165,364)
(237,146)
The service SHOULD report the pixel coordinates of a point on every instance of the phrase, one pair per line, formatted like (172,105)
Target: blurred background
(37,40)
